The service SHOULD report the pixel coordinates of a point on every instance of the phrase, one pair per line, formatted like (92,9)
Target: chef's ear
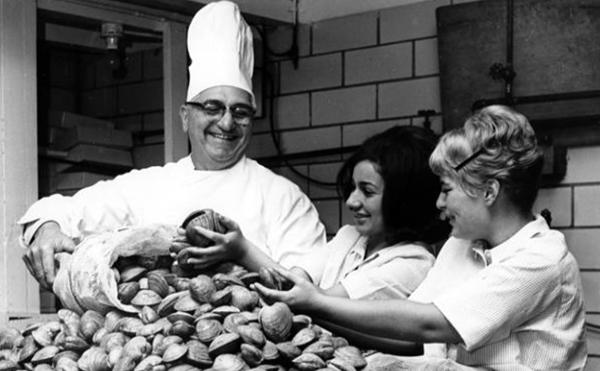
(184,113)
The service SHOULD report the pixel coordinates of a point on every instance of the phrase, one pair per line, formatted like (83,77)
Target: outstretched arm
(398,319)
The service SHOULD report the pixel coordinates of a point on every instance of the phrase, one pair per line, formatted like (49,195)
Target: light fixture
(112,33)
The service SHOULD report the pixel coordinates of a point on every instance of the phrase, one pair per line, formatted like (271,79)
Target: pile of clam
(211,321)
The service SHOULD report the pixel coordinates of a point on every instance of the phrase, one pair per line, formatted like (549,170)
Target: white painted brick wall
(583,165)
(311,140)
(378,64)
(587,206)
(585,246)
(410,22)
(426,57)
(312,73)
(345,33)
(343,105)
(292,111)
(558,201)
(325,173)
(406,98)
(353,135)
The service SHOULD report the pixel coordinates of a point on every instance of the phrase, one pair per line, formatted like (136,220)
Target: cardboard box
(92,135)
(101,155)
(64,119)
(78,180)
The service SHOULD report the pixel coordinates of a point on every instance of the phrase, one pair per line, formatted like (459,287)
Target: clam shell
(229,362)
(224,343)
(304,337)
(150,329)
(205,218)
(251,355)
(225,310)
(91,321)
(340,364)
(276,321)
(45,355)
(114,356)
(148,363)
(43,335)
(182,328)
(158,284)
(149,262)
(288,350)
(42,367)
(201,288)
(66,364)
(197,354)
(352,355)
(146,297)
(250,278)
(70,354)
(167,305)
(124,363)
(130,326)
(339,342)
(203,308)
(72,321)
(174,352)
(127,291)
(181,316)
(7,365)
(301,321)
(208,329)
(148,315)
(221,297)
(137,348)
(74,343)
(94,359)
(159,347)
(182,284)
(308,362)
(233,321)
(270,351)
(186,304)
(223,280)
(183,367)
(132,273)
(28,349)
(251,335)
(243,299)
(113,340)
(111,320)
(323,349)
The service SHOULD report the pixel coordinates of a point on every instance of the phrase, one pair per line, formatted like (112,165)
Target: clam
(252,355)
(225,310)
(229,362)
(45,355)
(243,299)
(137,348)
(323,349)
(161,344)
(167,305)
(276,321)
(74,343)
(41,367)
(113,340)
(205,218)
(233,321)
(339,342)
(221,297)
(66,364)
(146,297)
(184,367)
(148,363)
(132,273)
(182,328)
(72,321)
(111,320)
(114,356)
(94,359)
(208,329)
(203,308)
(250,278)
(223,280)
(28,349)
(270,351)
(201,288)
(70,354)
(130,326)
(224,343)
(91,321)
(149,262)
(251,335)
(158,284)
(182,284)
(7,365)
(125,363)
(352,355)
(127,291)
(9,337)
(181,316)
(197,354)
(308,362)
(148,315)
(174,352)
(150,329)
(301,321)
(288,350)
(304,337)
(186,304)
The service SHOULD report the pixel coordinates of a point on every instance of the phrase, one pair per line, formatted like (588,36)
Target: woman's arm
(385,345)
(395,319)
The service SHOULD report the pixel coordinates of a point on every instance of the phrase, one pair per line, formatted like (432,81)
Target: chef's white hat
(220,46)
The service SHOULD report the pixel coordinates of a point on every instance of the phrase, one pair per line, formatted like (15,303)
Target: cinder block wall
(361,74)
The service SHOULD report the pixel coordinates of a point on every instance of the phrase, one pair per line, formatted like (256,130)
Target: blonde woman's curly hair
(495,142)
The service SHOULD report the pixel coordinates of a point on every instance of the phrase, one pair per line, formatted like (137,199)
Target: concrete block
(587,206)
(261,146)
(591,290)
(344,105)
(582,165)
(62,99)
(583,244)
(357,31)
(409,22)
(132,123)
(99,102)
(310,139)
(406,98)
(292,111)
(356,134)
(312,73)
(329,213)
(155,121)
(426,57)
(558,201)
(378,64)
(326,173)
(143,97)
(280,40)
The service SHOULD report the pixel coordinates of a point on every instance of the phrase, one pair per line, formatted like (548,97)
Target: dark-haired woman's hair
(401,156)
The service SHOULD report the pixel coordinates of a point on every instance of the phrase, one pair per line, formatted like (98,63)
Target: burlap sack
(85,279)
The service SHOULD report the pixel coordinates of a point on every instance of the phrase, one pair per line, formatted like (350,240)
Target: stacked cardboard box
(84,150)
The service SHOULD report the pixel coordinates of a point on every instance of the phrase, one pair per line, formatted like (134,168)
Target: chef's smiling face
(465,213)
(218,142)
(365,200)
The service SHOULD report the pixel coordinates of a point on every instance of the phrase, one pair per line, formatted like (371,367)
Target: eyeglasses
(242,113)
(466,161)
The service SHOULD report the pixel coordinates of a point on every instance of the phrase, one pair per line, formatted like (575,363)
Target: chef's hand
(303,296)
(229,246)
(39,258)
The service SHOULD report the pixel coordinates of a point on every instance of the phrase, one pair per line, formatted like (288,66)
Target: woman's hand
(303,296)
(39,258)
(229,246)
